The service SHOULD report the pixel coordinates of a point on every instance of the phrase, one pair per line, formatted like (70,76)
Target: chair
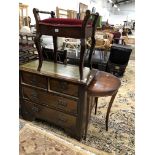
(68,28)
(23,9)
(103,43)
(62,13)
(104,84)
(116,37)
(71,14)
(26,39)
(82,10)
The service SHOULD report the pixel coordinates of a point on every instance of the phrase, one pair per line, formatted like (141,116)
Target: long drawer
(35,80)
(50,115)
(50,99)
(64,87)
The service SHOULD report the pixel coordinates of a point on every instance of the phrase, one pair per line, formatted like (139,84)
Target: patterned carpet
(35,141)
(120,136)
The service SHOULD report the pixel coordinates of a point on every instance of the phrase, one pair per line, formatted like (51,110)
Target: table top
(61,71)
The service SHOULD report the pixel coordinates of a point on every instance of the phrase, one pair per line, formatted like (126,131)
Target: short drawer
(50,99)
(35,80)
(50,115)
(64,87)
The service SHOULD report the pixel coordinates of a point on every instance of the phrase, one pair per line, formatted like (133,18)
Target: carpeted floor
(35,141)
(120,136)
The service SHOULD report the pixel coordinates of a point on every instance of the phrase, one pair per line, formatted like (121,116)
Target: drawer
(50,99)
(50,115)
(64,87)
(35,80)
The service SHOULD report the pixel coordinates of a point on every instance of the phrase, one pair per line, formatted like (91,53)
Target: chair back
(62,13)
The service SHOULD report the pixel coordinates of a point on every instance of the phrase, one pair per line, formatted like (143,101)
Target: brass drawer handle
(33,80)
(63,120)
(62,103)
(63,85)
(35,109)
(34,95)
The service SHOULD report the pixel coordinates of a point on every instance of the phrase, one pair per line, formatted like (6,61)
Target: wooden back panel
(82,10)
(62,13)
(72,14)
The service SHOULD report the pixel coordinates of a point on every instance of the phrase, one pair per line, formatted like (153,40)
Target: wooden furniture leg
(87,116)
(55,48)
(39,49)
(96,101)
(108,110)
(103,85)
(91,51)
(83,47)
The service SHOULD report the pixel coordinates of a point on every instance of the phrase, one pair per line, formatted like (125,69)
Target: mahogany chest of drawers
(55,94)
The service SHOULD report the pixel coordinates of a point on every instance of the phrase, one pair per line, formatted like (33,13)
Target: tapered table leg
(96,101)
(108,110)
(87,116)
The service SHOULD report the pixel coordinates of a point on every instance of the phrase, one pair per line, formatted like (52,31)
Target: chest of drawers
(55,94)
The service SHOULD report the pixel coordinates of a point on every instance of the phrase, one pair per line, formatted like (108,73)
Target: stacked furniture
(62,13)
(69,28)
(55,94)
(27,50)
(82,10)
(64,94)
(22,22)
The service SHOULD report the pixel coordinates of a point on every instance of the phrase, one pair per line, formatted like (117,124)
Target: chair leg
(87,117)
(83,47)
(96,101)
(55,48)
(39,49)
(91,51)
(108,110)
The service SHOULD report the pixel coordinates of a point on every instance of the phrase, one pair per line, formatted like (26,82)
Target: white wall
(127,12)
(50,5)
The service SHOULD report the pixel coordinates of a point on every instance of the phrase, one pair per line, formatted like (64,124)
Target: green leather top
(51,69)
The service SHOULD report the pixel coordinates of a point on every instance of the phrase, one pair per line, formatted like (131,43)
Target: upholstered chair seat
(65,22)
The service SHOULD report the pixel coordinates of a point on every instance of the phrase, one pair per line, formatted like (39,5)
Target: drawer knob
(35,109)
(62,103)
(34,96)
(33,80)
(64,120)
(63,85)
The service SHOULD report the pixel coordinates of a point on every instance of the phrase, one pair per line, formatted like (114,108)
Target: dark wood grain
(50,115)
(55,96)
(35,80)
(59,71)
(64,87)
(104,84)
(50,100)
(59,30)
